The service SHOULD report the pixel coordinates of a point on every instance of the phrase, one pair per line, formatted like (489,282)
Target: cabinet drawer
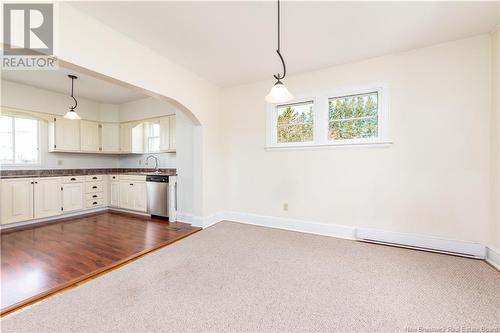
(114,178)
(94,178)
(93,187)
(73,179)
(133,178)
(94,203)
(94,196)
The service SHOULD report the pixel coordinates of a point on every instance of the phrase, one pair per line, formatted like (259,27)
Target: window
(153,137)
(295,122)
(353,117)
(333,118)
(18,140)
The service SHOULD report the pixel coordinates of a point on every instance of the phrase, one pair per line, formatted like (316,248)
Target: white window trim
(38,162)
(320,120)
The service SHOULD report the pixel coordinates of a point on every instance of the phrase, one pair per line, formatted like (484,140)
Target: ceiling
(85,86)
(234,42)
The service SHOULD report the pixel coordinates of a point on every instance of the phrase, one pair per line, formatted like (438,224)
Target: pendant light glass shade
(71,114)
(279,94)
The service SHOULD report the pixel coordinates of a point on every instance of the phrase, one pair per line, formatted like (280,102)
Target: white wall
(434,179)
(495,141)
(20,96)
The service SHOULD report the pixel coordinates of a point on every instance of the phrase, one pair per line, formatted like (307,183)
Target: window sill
(329,145)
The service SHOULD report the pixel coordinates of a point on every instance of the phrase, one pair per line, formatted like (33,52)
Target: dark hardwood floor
(42,260)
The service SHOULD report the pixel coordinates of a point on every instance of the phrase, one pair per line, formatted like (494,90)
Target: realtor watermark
(28,34)
(452,329)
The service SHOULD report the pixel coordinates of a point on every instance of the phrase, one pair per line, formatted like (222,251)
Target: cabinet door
(16,200)
(89,134)
(164,133)
(140,196)
(72,197)
(66,134)
(172,144)
(126,137)
(47,197)
(138,139)
(110,137)
(115,194)
(126,192)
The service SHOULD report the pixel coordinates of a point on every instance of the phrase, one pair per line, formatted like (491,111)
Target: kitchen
(76,147)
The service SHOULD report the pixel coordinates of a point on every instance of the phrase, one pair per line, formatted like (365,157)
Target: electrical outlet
(140,162)
(285,206)
(59,162)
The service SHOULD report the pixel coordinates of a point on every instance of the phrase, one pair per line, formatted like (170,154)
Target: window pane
(295,122)
(154,144)
(26,136)
(353,117)
(154,129)
(6,153)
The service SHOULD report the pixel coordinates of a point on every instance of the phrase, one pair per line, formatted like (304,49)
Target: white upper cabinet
(47,197)
(64,135)
(16,200)
(172,145)
(89,134)
(126,137)
(167,134)
(164,133)
(110,137)
(132,138)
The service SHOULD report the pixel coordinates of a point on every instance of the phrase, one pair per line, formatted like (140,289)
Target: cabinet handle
(94,186)
(36,182)
(32,182)
(94,196)
(73,179)
(131,184)
(114,177)
(94,177)
(94,203)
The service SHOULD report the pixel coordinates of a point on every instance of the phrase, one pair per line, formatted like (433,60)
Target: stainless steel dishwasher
(157,187)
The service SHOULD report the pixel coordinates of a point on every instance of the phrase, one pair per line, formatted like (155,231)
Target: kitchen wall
(433,180)
(141,109)
(29,98)
(183,159)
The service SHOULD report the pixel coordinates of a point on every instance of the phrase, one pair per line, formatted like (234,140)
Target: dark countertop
(6,174)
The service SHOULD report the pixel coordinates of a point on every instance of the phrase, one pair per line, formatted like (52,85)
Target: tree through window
(353,117)
(295,122)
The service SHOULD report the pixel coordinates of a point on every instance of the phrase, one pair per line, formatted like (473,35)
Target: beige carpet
(234,278)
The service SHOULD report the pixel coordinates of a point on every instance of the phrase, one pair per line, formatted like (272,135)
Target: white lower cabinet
(47,197)
(16,200)
(72,198)
(133,194)
(23,199)
(114,193)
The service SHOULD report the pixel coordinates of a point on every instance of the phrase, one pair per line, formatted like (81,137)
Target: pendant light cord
(279,76)
(72,108)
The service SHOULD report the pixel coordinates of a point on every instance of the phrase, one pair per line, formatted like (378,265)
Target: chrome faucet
(156,162)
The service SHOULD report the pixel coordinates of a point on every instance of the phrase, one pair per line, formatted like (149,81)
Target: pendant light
(71,114)
(279,93)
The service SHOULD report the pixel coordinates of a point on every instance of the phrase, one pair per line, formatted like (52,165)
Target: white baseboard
(134,212)
(415,241)
(421,242)
(52,218)
(310,227)
(493,257)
